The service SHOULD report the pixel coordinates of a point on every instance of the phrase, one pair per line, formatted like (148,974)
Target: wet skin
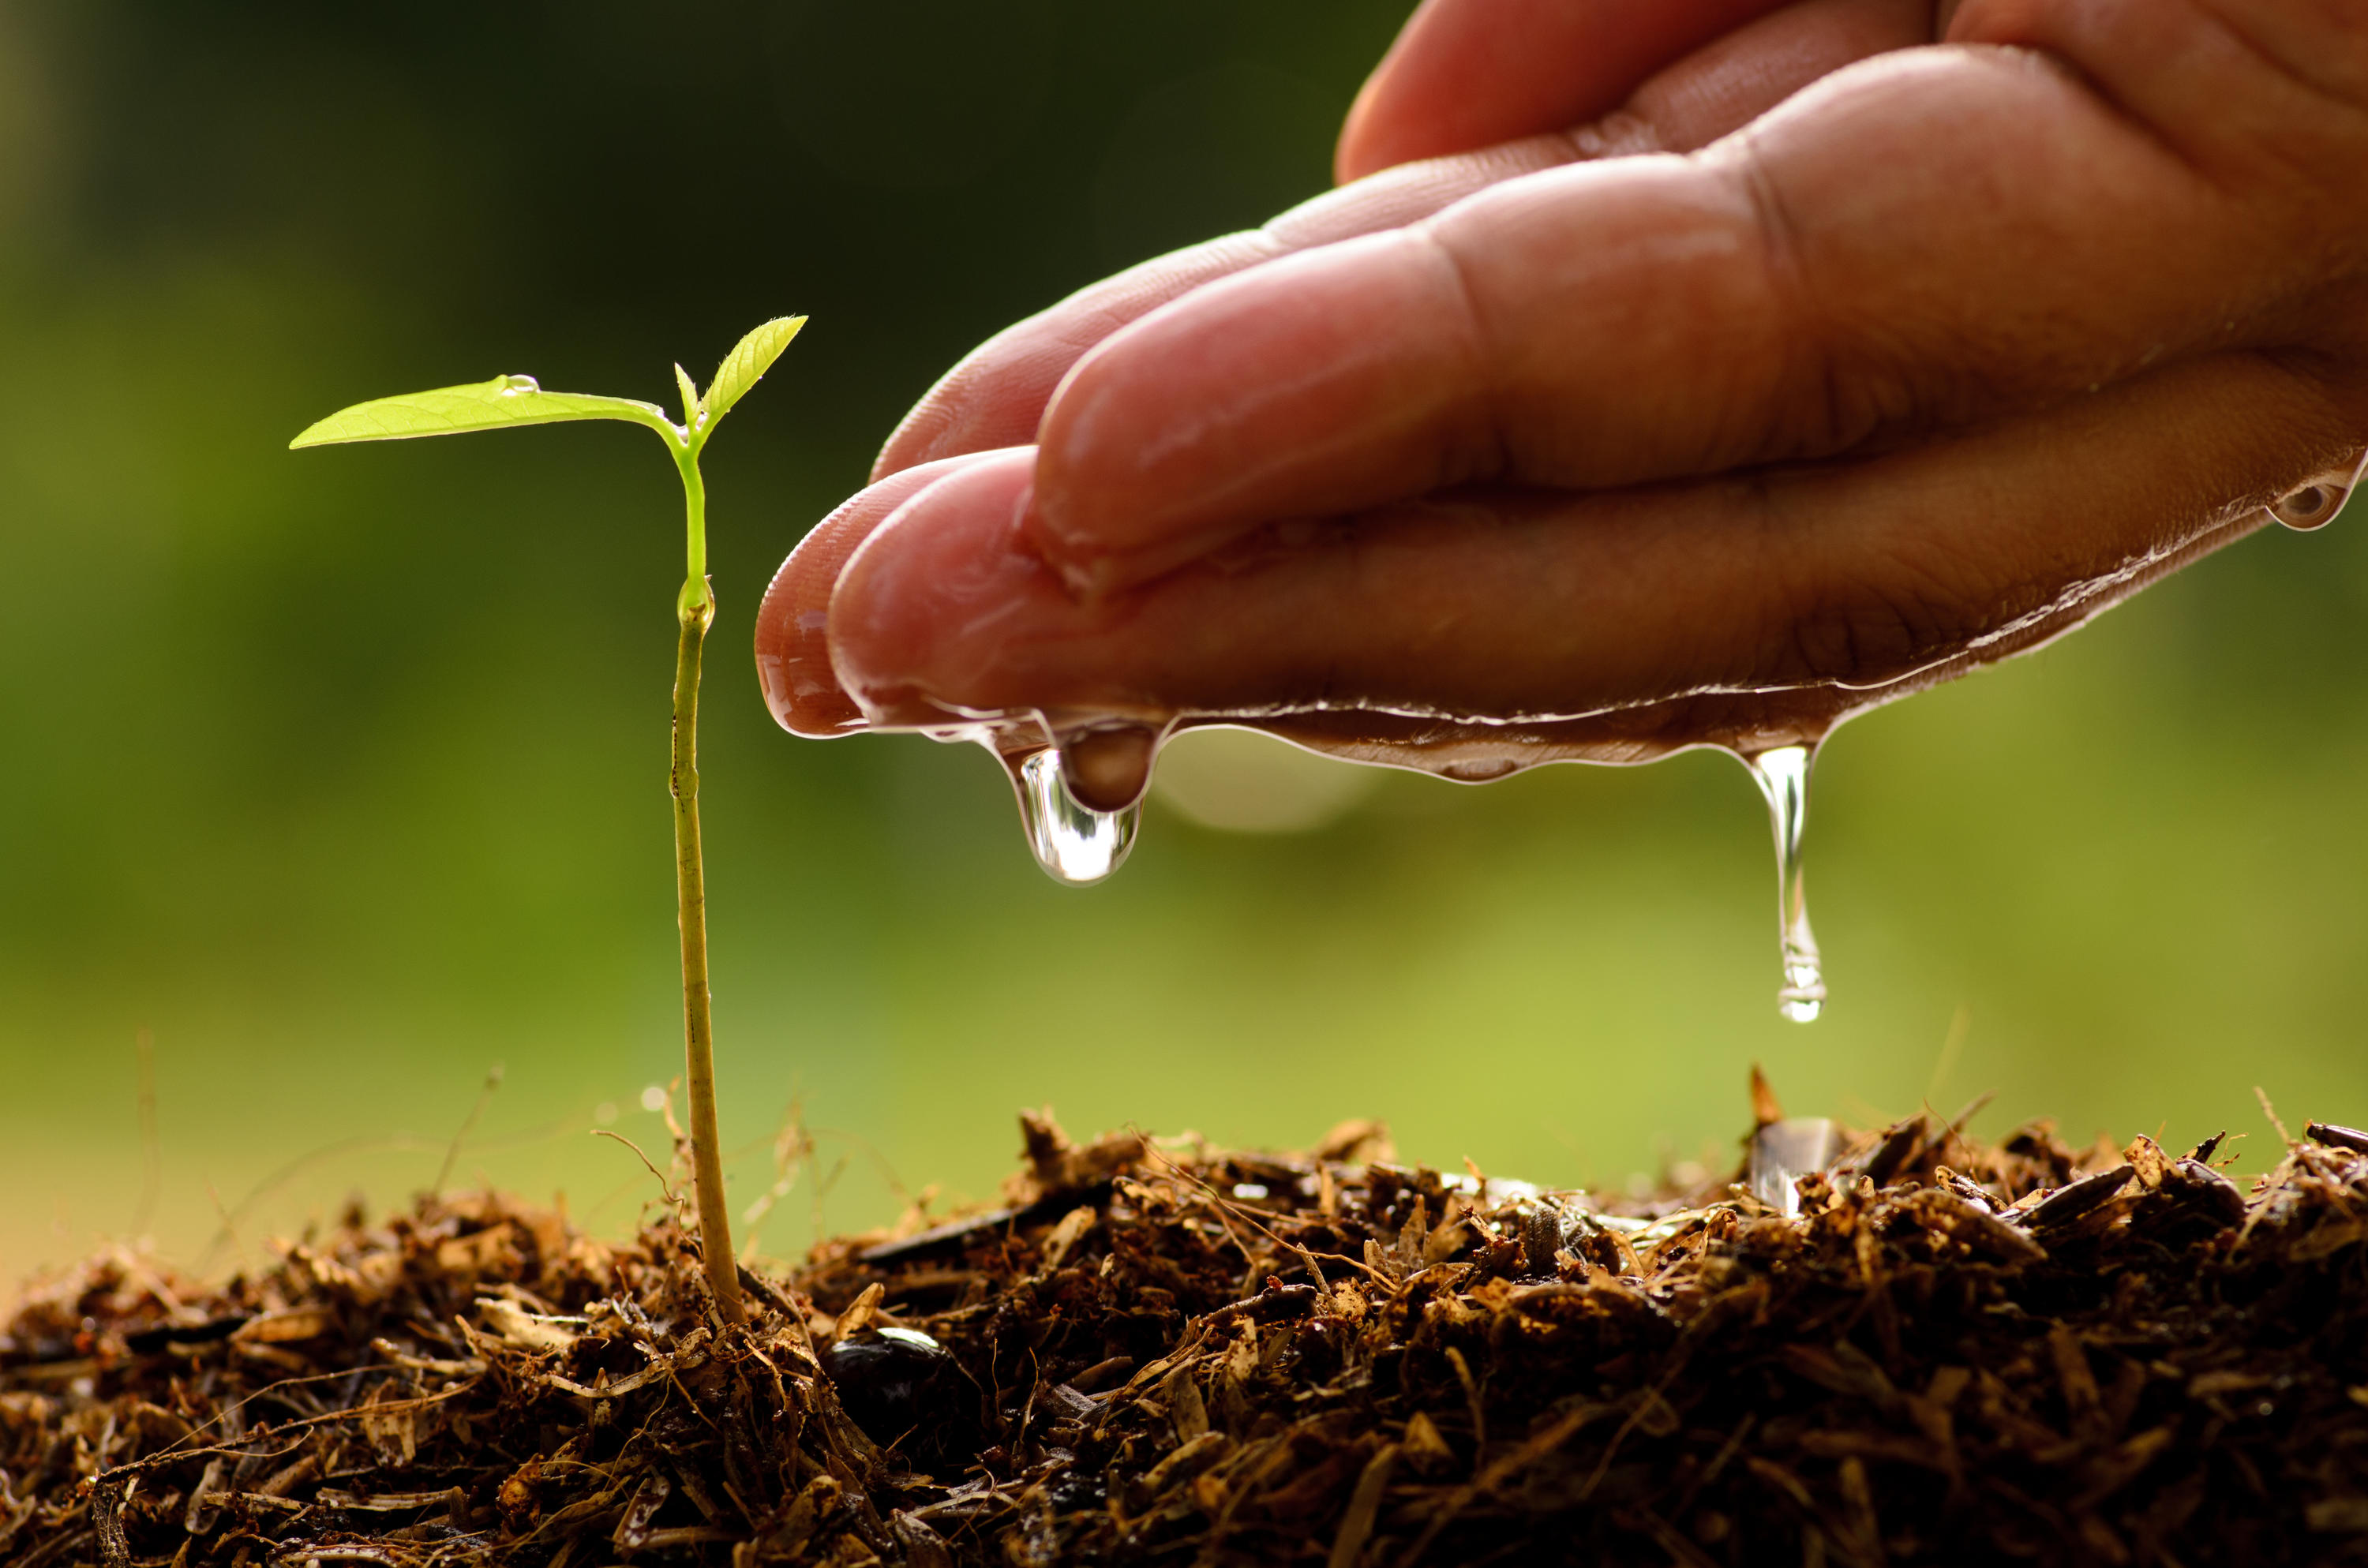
(1693,373)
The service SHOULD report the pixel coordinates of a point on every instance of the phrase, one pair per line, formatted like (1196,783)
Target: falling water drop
(1783,776)
(1073,842)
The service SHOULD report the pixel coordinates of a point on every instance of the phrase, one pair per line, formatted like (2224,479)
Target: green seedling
(515,400)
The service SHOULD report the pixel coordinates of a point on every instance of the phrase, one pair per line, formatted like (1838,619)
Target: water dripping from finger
(1080,793)
(1783,774)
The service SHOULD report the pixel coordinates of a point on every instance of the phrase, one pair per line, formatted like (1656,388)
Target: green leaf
(750,358)
(689,390)
(480,406)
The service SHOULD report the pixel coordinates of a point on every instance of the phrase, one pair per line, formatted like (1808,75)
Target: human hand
(1939,358)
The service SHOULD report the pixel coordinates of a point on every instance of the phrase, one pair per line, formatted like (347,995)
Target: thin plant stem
(695,611)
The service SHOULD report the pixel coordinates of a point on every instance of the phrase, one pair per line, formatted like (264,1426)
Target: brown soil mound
(1955,1352)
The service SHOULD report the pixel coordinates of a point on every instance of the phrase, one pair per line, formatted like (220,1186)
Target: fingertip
(907,445)
(922,594)
(793,668)
(996,396)
(992,396)
(1359,151)
(801,686)
(957,416)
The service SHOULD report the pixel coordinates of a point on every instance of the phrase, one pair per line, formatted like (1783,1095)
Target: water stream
(1783,774)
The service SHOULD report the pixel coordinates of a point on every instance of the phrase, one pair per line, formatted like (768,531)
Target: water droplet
(2312,506)
(1073,842)
(1783,776)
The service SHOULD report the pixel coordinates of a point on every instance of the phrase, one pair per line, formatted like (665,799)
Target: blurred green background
(343,773)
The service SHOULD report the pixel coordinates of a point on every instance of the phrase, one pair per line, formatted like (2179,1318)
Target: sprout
(506,401)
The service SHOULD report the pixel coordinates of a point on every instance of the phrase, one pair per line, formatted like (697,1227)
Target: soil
(1953,1352)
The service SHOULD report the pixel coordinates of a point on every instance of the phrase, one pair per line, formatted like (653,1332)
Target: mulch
(1899,1346)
